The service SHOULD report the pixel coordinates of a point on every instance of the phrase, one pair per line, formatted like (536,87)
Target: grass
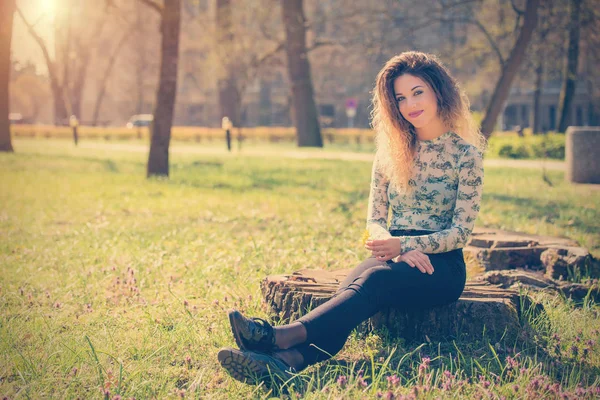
(112,284)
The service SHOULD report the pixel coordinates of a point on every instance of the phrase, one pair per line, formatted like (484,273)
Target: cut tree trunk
(482,308)
(7,11)
(158,158)
(570,68)
(305,116)
(510,69)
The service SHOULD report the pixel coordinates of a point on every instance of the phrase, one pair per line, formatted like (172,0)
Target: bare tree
(510,68)
(305,115)
(229,95)
(77,28)
(103,82)
(7,10)
(570,67)
(60,106)
(158,158)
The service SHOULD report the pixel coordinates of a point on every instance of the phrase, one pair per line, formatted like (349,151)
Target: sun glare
(47,6)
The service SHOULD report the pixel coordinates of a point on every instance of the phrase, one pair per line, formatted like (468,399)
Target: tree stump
(495,249)
(482,307)
(490,304)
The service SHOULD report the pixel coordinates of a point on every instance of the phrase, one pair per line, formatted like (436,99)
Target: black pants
(374,285)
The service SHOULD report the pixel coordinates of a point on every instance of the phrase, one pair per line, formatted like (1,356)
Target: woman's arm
(377,214)
(468,197)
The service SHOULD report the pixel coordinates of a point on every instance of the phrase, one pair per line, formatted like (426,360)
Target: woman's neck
(432,130)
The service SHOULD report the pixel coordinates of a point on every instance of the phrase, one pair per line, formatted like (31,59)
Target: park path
(303,154)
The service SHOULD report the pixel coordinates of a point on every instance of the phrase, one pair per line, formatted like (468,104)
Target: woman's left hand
(385,249)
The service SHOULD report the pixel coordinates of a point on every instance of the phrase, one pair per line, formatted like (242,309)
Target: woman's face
(416,100)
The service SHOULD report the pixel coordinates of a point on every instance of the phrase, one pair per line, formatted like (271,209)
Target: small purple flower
(574,351)
(516,388)
(361,382)
(590,343)
(389,395)
(511,363)
(342,380)
(393,380)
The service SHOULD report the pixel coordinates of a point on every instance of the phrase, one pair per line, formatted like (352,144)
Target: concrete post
(582,154)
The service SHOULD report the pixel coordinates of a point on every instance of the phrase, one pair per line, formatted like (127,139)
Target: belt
(410,232)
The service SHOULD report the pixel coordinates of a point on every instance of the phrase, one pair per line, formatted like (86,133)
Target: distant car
(15,118)
(140,120)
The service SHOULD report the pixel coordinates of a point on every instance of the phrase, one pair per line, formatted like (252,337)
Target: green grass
(110,281)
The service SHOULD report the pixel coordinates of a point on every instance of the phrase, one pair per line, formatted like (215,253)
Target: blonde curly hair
(395,137)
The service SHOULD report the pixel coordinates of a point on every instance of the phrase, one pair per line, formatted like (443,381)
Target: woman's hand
(415,258)
(384,249)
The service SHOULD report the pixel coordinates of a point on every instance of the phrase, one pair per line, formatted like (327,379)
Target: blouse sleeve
(468,197)
(377,214)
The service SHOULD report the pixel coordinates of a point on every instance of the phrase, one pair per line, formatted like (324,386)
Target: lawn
(115,285)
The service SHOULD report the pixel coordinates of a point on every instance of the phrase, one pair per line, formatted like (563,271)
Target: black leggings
(374,285)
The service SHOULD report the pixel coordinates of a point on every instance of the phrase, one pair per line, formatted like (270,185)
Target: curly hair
(395,137)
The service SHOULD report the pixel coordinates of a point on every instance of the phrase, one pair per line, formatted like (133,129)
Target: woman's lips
(415,114)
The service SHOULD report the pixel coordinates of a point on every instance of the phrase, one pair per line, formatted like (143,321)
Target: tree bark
(510,69)
(230,99)
(305,116)
(158,158)
(7,10)
(570,68)
(537,93)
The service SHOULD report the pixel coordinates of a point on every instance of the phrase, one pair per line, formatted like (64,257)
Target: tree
(77,28)
(570,67)
(158,158)
(305,116)
(7,10)
(229,96)
(510,68)
(60,105)
(106,75)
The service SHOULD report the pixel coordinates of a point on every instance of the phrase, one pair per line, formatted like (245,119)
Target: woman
(429,170)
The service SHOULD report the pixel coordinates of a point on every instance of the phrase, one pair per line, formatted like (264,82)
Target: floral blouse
(447,181)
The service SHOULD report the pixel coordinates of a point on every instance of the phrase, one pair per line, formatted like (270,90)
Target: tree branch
(485,32)
(39,41)
(320,43)
(516,9)
(154,5)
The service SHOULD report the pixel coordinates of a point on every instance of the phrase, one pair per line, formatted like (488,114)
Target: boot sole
(246,369)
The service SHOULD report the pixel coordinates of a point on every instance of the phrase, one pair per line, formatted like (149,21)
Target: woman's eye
(399,99)
(418,92)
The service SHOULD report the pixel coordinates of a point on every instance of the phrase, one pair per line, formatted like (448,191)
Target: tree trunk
(7,10)
(537,93)
(570,68)
(229,96)
(510,69)
(158,158)
(306,118)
